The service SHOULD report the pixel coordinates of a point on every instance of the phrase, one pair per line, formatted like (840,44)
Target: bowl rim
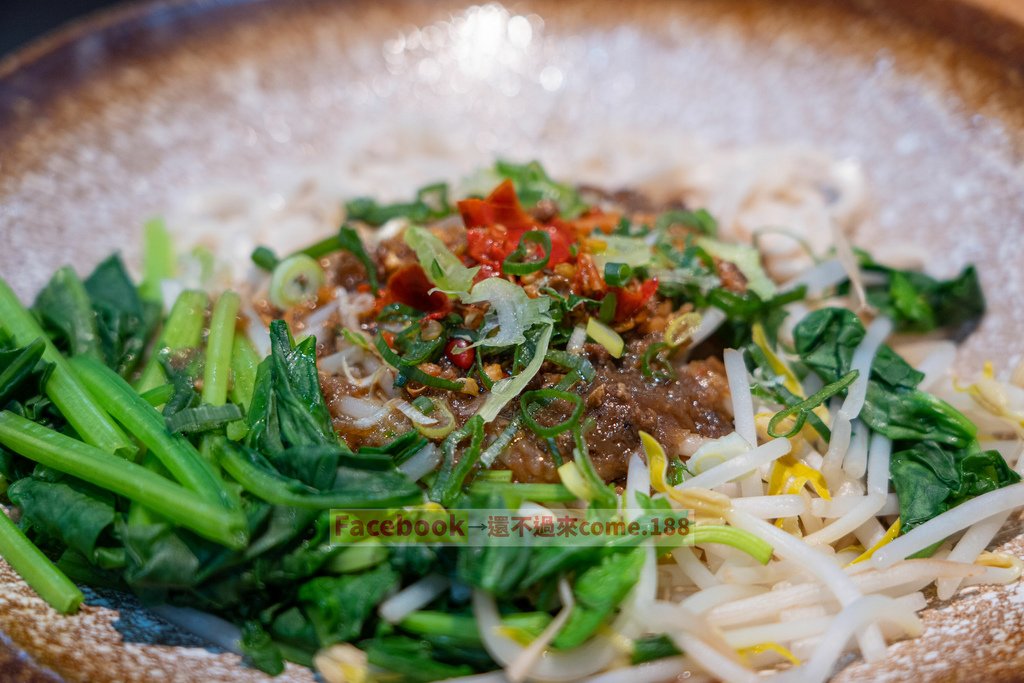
(993,29)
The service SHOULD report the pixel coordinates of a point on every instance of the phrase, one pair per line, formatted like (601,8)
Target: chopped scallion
(617,274)
(295,280)
(543,397)
(606,337)
(518,263)
(203,418)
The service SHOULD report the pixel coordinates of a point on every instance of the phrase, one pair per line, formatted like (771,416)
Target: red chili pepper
(495,225)
(463,358)
(389,338)
(409,285)
(630,301)
(501,207)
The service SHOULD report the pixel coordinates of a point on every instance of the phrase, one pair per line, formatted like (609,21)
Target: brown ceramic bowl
(123,115)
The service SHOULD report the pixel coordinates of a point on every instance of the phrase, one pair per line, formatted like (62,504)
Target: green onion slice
(681,328)
(440,411)
(606,337)
(653,358)
(296,280)
(543,397)
(801,409)
(411,371)
(265,258)
(610,302)
(516,263)
(617,274)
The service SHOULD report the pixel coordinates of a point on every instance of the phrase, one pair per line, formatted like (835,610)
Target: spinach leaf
(66,311)
(913,415)
(598,591)
(67,510)
(123,320)
(351,487)
(314,466)
(288,407)
(339,607)
(930,478)
(159,558)
(413,660)
(920,303)
(497,569)
(23,373)
(826,340)
(260,650)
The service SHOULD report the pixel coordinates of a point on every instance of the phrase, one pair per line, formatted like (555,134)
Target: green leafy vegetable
(598,591)
(124,321)
(826,339)
(507,389)
(217,370)
(23,372)
(62,386)
(930,478)
(415,661)
(67,510)
(158,263)
(338,607)
(917,302)
(204,418)
(244,363)
(174,451)
(260,650)
(442,266)
(352,488)
(65,310)
(533,185)
(288,407)
(122,477)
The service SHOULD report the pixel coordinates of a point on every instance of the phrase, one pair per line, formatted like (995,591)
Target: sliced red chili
(495,225)
(410,286)
(501,207)
(459,355)
(632,299)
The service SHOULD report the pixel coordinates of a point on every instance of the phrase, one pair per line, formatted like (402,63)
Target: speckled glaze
(110,122)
